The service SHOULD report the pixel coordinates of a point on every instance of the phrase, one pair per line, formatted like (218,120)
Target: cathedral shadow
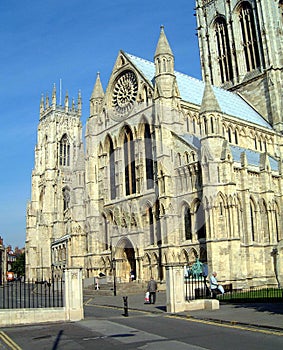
(161,308)
(274,308)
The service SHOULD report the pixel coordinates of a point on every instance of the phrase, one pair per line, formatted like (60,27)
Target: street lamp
(114,275)
(274,254)
(52,273)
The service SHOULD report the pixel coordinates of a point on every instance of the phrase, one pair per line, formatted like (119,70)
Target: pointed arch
(105,231)
(278,234)
(187,222)
(193,255)
(200,226)
(148,156)
(236,136)
(150,221)
(111,161)
(265,221)
(249,38)
(64,151)
(252,218)
(223,49)
(184,257)
(129,161)
(203,255)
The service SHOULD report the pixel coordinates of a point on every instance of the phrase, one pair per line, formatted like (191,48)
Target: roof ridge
(231,103)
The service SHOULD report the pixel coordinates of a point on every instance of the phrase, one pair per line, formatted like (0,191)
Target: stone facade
(240,44)
(173,168)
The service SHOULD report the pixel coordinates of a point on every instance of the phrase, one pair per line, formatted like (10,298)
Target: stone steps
(121,288)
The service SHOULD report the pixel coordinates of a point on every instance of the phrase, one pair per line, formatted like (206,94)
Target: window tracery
(64,151)
(223,50)
(250,42)
(129,159)
(148,157)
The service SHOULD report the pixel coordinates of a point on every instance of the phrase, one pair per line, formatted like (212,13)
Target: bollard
(126,306)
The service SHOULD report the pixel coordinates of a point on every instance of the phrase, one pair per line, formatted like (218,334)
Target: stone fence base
(11,317)
(72,311)
(201,304)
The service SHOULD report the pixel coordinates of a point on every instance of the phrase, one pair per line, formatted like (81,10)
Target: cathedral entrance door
(125,256)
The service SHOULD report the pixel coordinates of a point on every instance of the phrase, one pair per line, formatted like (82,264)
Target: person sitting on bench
(214,286)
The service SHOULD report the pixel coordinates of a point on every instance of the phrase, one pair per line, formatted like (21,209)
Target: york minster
(170,169)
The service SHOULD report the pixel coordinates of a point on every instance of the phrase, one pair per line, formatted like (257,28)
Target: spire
(165,79)
(41,107)
(209,102)
(67,102)
(163,47)
(97,91)
(80,102)
(54,96)
(47,102)
(96,96)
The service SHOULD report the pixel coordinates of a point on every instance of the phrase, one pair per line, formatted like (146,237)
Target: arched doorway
(125,260)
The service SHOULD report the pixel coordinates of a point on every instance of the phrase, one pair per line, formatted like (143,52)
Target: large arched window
(277,232)
(112,169)
(200,221)
(106,233)
(64,151)
(151,226)
(250,42)
(129,158)
(265,222)
(148,157)
(223,50)
(188,223)
(253,219)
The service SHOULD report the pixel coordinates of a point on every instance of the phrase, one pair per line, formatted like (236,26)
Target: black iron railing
(196,288)
(31,294)
(253,295)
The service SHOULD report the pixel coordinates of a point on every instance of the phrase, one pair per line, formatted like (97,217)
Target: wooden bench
(227,287)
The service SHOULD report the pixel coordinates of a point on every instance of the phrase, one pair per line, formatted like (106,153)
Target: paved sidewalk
(254,314)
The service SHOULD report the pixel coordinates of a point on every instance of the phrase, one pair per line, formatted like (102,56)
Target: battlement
(47,107)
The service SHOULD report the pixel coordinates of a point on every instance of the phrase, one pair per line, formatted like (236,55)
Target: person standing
(152,289)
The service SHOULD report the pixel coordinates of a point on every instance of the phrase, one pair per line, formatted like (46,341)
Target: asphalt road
(106,328)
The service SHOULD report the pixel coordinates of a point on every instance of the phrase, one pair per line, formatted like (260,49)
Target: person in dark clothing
(152,289)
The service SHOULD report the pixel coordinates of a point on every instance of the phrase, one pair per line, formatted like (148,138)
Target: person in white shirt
(214,286)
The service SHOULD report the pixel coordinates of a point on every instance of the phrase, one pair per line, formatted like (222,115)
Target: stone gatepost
(175,296)
(74,293)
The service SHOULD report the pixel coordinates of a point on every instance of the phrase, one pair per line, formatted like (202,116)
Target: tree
(18,266)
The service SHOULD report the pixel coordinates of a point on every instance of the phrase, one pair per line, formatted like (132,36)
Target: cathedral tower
(56,186)
(241,50)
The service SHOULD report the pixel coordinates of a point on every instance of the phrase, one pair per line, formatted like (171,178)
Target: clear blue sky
(45,41)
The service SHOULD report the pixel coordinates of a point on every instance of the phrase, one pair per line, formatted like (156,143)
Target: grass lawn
(254,295)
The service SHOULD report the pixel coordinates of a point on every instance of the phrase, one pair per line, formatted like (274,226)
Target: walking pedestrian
(152,289)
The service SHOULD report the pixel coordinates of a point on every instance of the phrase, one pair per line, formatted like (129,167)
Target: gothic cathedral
(173,169)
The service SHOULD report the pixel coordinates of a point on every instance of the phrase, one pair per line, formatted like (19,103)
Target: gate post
(175,296)
(74,293)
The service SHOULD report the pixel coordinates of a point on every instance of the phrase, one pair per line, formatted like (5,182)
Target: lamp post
(114,275)
(274,254)
(52,273)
